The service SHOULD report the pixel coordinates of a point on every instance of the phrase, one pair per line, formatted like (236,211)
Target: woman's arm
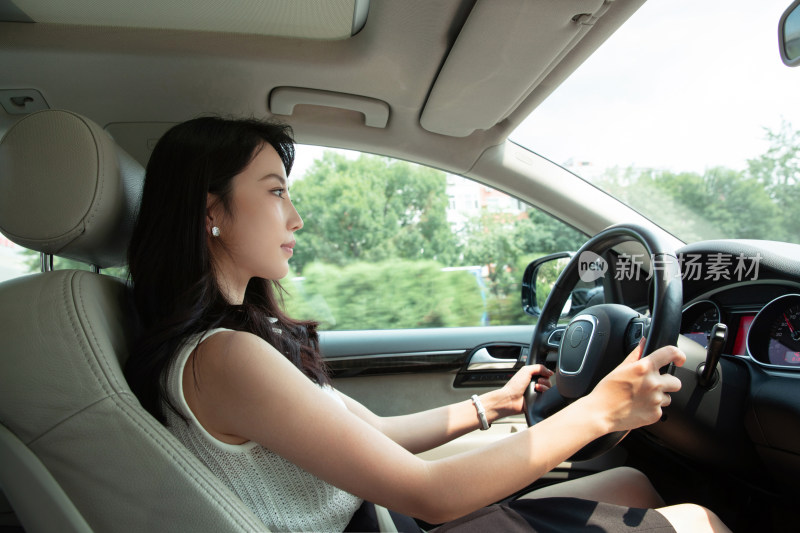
(246,390)
(419,432)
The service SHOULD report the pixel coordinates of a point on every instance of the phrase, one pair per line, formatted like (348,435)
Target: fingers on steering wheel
(542,384)
(666,400)
(670,383)
(666,355)
(637,352)
(540,370)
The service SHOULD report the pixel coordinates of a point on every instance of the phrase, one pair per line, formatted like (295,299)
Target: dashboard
(748,420)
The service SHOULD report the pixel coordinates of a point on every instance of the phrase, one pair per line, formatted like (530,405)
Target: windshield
(688,115)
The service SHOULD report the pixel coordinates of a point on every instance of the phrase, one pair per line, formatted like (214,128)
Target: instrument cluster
(770,335)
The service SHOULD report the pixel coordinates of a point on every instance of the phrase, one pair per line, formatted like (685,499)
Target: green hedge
(387,295)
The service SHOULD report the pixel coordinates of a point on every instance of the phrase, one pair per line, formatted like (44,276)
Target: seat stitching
(73,317)
(66,283)
(63,421)
(102,362)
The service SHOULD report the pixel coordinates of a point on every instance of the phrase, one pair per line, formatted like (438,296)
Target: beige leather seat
(77,451)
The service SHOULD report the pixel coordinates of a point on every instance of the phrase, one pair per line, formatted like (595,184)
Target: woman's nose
(295,221)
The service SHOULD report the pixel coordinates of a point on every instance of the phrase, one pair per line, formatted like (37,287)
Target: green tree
(505,243)
(739,206)
(778,171)
(541,234)
(371,209)
(760,202)
(676,205)
(780,166)
(721,203)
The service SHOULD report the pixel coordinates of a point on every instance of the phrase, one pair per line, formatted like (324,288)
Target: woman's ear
(212,200)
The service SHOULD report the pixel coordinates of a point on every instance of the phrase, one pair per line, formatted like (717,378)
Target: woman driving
(244,386)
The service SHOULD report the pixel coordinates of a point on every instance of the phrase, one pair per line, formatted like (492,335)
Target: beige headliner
(134,80)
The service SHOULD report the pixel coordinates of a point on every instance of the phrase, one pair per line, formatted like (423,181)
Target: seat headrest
(67,189)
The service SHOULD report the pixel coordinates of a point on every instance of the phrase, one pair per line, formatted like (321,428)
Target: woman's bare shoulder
(228,339)
(236,357)
(233,371)
(231,343)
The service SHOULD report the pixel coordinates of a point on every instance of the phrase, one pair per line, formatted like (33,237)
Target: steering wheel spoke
(554,338)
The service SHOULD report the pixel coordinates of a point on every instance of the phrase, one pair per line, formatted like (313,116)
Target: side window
(16,261)
(13,261)
(388,244)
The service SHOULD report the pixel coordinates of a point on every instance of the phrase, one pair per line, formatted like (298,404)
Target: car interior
(87,89)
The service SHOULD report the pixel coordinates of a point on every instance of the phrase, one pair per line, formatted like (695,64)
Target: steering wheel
(598,338)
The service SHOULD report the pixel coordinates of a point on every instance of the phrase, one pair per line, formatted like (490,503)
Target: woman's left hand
(514,389)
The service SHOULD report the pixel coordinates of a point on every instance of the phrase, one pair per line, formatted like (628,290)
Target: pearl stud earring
(215,231)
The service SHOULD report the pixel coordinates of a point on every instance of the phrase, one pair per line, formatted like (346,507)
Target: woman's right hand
(633,394)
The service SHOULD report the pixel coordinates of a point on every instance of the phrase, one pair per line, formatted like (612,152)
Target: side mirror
(541,275)
(789,35)
(539,278)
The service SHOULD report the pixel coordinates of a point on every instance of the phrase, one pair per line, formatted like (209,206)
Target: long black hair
(174,287)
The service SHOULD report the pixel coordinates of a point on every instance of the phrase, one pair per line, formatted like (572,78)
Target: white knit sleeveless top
(283,495)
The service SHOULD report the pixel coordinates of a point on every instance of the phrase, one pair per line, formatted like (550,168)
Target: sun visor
(480,83)
(305,19)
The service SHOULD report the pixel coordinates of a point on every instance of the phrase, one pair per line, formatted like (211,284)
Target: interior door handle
(483,360)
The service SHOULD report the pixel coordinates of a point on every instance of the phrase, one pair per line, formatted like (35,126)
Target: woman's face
(258,236)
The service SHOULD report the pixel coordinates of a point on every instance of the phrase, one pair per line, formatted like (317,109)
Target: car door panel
(396,372)
(402,371)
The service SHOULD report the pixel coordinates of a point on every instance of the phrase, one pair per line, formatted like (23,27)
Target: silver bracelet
(481,413)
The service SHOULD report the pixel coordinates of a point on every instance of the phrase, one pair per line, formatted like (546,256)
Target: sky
(684,85)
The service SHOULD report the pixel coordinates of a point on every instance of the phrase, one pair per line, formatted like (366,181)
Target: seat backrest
(67,189)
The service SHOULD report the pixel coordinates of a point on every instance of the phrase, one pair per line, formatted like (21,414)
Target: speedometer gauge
(774,338)
(784,337)
(698,320)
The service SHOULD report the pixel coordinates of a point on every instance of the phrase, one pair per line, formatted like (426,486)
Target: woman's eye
(280,193)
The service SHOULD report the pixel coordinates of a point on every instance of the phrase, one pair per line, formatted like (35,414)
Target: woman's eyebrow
(276,176)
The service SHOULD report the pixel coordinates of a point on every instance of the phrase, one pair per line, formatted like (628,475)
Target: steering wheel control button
(637,331)
(634,334)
